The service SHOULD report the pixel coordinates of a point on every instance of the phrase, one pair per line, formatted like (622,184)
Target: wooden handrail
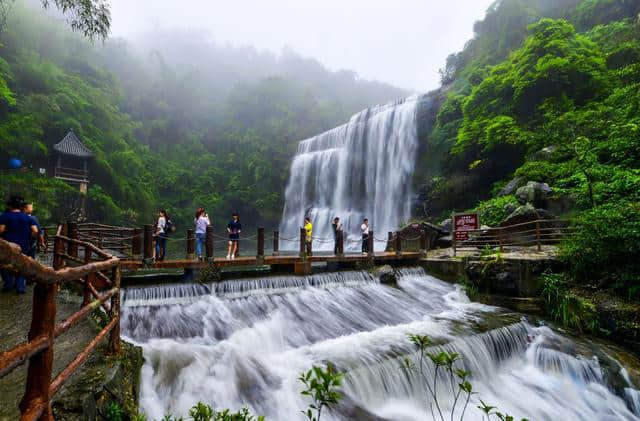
(35,404)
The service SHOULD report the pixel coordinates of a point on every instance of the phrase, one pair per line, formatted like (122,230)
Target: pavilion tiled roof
(73,146)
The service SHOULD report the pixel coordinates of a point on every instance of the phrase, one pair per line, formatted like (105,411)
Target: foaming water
(245,343)
(360,169)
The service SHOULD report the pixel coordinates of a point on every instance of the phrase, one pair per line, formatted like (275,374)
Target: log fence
(95,270)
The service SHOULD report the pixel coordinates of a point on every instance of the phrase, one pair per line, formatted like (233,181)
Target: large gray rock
(534,193)
(526,213)
(386,274)
(511,186)
(544,154)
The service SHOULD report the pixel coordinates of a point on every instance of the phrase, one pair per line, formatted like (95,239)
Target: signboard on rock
(463,223)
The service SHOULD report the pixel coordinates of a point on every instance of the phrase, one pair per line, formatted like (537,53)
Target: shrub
(492,212)
(606,246)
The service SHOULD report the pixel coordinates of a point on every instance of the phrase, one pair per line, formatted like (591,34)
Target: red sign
(463,223)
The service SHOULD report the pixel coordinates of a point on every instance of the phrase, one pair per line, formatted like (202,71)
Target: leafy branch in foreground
(461,388)
(320,385)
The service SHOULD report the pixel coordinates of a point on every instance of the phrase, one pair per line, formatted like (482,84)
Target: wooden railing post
(209,244)
(43,322)
(538,235)
(136,242)
(398,243)
(86,296)
(370,243)
(72,233)
(276,243)
(260,254)
(390,242)
(58,251)
(340,243)
(114,336)
(148,242)
(303,235)
(191,244)
(500,239)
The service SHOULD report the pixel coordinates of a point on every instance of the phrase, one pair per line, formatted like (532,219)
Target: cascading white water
(245,342)
(359,170)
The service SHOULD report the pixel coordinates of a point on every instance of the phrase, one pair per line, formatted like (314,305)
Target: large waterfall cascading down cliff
(245,342)
(362,169)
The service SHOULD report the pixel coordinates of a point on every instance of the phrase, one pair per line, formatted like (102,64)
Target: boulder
(385,274)
(544,154)
(510,207)
(526,213)
(510,187)
(534,193)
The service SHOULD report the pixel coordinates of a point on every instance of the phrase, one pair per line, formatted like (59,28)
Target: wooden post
(276,243)
(370,243)
(398,243)
(136,242)
(538,235)
(340,243)
(72,233)
(453,235)
(500,238)
(260,254)
(86,296)
(148,242)
(390,242)
(191,244)
(423,242)
(209,242)
(114,336)
(303,236)
(42,323)
(58,251)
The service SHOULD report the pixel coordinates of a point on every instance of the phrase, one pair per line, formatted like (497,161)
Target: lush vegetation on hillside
(570,84)
(174,120)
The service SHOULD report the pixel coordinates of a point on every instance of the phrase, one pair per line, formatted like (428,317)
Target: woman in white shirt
(202,222)
(365,236)
(161,236)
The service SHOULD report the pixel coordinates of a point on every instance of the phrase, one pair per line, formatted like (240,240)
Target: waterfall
(245,342)
(362,169)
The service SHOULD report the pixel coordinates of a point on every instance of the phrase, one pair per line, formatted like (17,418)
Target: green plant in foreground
(114,412)
(461,388)
(320,385)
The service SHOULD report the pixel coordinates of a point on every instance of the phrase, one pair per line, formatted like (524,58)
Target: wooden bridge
(135,246)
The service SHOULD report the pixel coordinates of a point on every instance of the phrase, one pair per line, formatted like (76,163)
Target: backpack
(169,227)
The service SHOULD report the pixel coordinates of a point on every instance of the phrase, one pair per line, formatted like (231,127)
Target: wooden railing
(95,270)
(527,234)
(72,174)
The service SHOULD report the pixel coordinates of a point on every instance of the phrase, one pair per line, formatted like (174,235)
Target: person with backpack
(162,228)
(19,228)
(308,228)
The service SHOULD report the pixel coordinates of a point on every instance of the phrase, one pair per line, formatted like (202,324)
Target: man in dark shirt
(38,241)
(19,228)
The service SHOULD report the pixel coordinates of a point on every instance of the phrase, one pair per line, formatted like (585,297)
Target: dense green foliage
(550,85)
(175,121)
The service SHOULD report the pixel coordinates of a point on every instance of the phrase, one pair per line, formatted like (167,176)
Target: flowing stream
(245,342)
(359,170)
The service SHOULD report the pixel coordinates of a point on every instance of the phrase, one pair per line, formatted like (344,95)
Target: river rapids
(245,342)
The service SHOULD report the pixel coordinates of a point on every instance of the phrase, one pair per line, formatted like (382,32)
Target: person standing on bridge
(337,231)
(234,228)
(161,235)
(365,236)
(19,228)
(39,241)
(202,222)
(308,227)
